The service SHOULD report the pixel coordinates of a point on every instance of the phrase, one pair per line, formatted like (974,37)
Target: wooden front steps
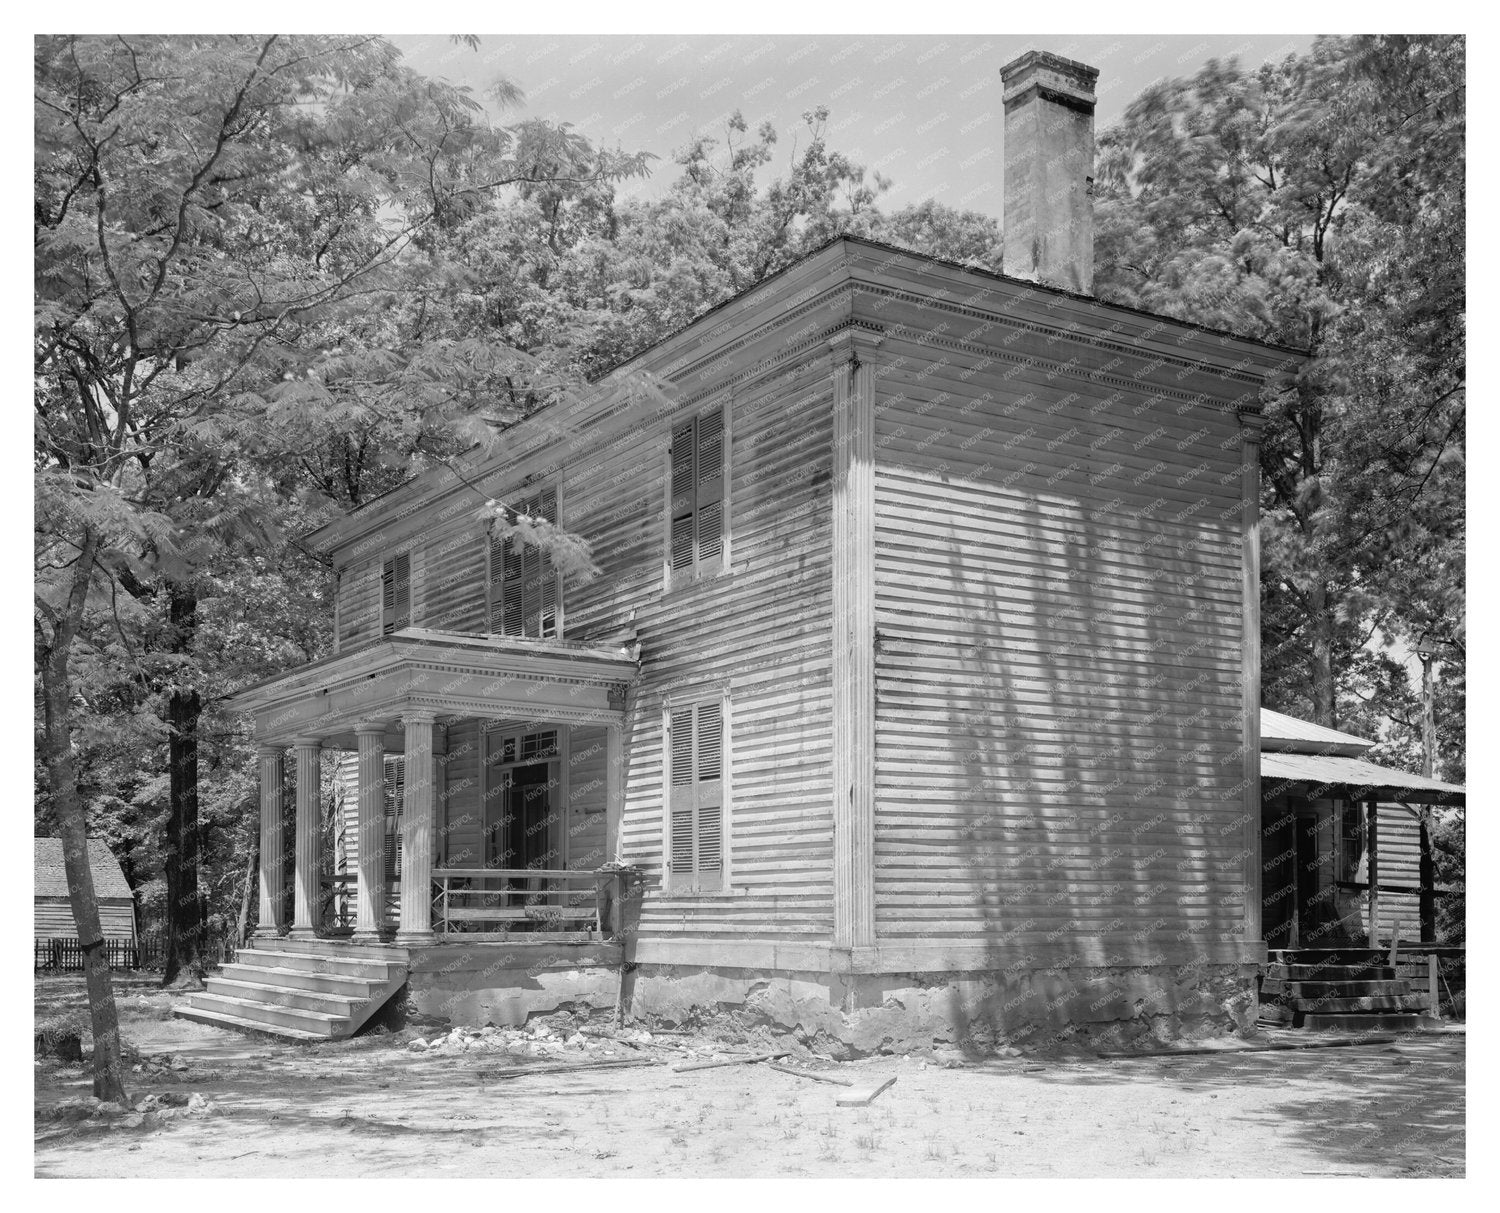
(318,989)
(1347,989)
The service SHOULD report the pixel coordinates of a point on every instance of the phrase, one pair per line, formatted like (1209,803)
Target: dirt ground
(218,1104)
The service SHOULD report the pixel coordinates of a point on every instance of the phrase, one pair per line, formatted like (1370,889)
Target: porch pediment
(447,673)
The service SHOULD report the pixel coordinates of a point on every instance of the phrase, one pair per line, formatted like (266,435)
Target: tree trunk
(184,900)
(1320,624)
(242,927)
(57,747)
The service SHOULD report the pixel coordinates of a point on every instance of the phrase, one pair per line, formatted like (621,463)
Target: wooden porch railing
(337,905)
(468,900)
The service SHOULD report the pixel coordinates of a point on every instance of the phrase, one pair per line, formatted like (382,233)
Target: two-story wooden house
(919,683)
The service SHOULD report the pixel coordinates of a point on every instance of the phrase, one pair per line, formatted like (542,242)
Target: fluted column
(272,844)
(370,909)
(417,817)
(308,863)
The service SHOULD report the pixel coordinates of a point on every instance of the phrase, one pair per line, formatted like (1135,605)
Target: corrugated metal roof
(1276,727)
(51,881)
(1348,772)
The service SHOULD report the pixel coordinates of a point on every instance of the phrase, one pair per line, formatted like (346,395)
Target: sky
(924,110)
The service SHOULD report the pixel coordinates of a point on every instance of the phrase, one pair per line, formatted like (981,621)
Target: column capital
(369,728)
(1252,424)
(418,716)
(307,743)
(269,749)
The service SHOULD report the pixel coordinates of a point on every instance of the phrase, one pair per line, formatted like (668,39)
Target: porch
(497,831)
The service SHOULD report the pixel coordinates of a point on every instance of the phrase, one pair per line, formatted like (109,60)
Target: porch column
(306,878)
(1372,848)
(370,860)
(418,815)
(272,844)
(614,788)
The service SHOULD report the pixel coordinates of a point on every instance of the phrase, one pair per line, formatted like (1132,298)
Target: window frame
(718,566)
(674,883)
(533,494)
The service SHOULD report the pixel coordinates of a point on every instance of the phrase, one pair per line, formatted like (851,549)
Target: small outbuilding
(54,915)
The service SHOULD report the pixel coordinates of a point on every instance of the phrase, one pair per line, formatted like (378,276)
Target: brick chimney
(1049,170)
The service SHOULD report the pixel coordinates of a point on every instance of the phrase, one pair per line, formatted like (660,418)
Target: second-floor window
(395,594)
(523,584)
(696,543)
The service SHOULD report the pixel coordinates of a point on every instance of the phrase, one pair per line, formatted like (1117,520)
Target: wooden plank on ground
(838,1082)
(862,1096)
(730,1061)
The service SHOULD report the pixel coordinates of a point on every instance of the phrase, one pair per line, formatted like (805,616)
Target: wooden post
(614,787)
(1251,425)
(1426,877)
(370,854)
(418,815)
(853,638)
(272,868)
(307,863)
(1372,849)
(1434,1007)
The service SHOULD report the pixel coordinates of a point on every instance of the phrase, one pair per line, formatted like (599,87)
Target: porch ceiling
(448,673)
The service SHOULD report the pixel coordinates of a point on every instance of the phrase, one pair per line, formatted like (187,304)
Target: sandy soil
(372,1107)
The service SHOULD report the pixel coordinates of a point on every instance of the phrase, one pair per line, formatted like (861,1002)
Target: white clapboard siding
(1058,661)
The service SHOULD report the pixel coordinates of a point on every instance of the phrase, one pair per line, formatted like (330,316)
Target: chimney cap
(1059,79)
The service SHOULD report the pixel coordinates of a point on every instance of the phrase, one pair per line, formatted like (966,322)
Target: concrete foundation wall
(858,1014)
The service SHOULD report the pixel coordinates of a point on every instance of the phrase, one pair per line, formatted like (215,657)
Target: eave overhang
(444,673)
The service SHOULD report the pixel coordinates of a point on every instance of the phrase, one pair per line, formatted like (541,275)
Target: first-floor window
(695,797)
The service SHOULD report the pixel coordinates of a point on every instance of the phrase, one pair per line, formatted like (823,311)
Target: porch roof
(1355,775)
(447,673)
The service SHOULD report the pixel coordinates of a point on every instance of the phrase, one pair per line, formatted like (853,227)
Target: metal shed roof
(1354,773)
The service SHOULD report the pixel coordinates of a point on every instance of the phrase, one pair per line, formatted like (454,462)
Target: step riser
(1407,1002)
(1347,989)
(302,1000)
(1330,973)
(1359,1023)
(315,983)
(327,947)
(239,1024)
(269,1014)
(333,965)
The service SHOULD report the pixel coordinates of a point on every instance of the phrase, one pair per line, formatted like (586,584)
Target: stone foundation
(505,983)
(1034,1009)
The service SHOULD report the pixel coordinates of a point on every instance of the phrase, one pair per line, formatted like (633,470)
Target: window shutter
(680,799)
(683,496)
(710,798)
(710,487)
(388,598)
(395,594)
(547,508)
(512,604)
(497,585)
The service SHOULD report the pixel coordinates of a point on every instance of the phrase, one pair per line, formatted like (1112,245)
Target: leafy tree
(1318,202)
(209,212)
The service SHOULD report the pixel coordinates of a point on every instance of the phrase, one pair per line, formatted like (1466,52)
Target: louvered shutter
(684,464)
(680,799)
(710,797)
(512,602)
(388,598)
(709,488)
(547,508)
(497,585)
